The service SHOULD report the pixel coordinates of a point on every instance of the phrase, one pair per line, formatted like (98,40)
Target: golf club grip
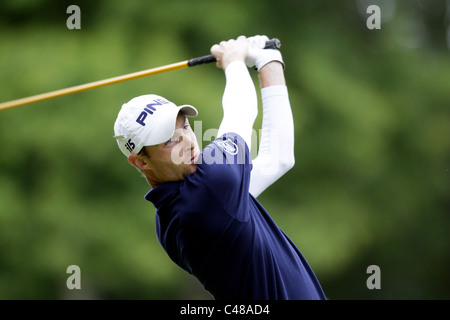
(270,44)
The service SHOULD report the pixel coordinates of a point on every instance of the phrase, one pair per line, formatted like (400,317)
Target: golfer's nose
(187,140)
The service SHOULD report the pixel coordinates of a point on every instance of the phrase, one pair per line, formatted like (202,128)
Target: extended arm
(276,149)
(240,103)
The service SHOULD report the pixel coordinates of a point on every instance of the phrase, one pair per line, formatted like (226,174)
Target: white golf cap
(146,121)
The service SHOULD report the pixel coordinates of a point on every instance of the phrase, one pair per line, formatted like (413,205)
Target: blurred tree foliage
(371,108)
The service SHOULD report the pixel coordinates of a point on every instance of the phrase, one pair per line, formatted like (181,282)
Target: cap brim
(188,110)
(164,129)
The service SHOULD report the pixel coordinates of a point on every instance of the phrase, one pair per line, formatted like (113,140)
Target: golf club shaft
(92,85)
(274,43)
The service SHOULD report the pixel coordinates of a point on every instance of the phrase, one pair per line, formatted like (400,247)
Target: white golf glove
(257,56)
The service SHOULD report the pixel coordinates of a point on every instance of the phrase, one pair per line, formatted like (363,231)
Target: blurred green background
(372,120)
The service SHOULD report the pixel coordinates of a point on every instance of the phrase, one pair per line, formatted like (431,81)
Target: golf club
(270,44)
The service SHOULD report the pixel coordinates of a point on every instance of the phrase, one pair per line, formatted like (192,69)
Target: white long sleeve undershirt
(240,102)
(276,148)
(240,106)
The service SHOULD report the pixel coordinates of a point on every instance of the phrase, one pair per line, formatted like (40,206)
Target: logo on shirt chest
(229,146)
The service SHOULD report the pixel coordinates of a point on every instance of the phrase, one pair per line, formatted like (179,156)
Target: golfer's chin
(193,168)
(189,166)
(187,169)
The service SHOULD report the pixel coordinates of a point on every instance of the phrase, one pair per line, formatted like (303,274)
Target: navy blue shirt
(212,227)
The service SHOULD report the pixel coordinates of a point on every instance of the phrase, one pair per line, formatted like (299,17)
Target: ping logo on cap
(149,109)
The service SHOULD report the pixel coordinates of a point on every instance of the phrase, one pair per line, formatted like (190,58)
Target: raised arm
(276,148)
(240,102)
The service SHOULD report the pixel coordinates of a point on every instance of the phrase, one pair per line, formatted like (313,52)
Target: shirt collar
(159,194)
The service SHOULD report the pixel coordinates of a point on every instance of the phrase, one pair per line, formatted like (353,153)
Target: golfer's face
(174,159)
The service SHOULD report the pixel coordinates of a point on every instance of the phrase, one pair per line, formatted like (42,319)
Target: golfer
(208,219)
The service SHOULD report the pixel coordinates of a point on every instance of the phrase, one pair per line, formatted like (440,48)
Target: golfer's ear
(137,161)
